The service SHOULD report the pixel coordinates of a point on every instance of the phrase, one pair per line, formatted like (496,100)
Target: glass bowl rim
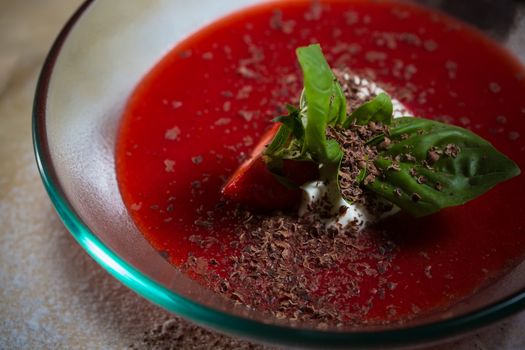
(204,315)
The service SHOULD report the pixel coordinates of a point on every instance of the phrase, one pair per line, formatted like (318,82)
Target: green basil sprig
(426,165)
(379,109)
(438,166)
(302,135)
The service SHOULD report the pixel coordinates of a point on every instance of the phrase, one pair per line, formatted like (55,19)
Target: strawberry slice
(254,186)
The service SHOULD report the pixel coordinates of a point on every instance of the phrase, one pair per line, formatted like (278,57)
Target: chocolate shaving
(279,267)
(283,265)
(451,150)
(416,197)
(432,156)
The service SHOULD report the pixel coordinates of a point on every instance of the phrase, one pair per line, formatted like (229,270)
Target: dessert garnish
(419,165)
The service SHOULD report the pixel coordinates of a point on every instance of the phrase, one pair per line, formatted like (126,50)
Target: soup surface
(196,116)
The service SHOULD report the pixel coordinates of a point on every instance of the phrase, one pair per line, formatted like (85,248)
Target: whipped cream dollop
(344,213)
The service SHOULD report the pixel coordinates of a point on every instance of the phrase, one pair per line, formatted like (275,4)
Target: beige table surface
(52,295)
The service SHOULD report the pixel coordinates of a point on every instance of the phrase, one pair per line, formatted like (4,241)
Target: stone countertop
(52,294)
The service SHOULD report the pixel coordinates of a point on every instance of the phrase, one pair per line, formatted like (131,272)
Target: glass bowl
(96,62)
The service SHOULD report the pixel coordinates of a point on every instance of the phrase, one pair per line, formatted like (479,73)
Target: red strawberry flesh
(255,187)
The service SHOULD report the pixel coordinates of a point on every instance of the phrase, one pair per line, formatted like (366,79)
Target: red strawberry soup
(197,116)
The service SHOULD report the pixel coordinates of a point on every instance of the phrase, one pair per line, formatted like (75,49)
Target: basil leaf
(294,152)
(330,171)
(379,109)
(279,141)
(339,105)
(322,99)
(333,151)
(293,122)
(430,166)
(362,175)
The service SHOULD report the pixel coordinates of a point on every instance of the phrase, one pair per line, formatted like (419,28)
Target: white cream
(313,191)
(366,86)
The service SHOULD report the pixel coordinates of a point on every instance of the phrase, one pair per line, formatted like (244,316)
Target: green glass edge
(158,294)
